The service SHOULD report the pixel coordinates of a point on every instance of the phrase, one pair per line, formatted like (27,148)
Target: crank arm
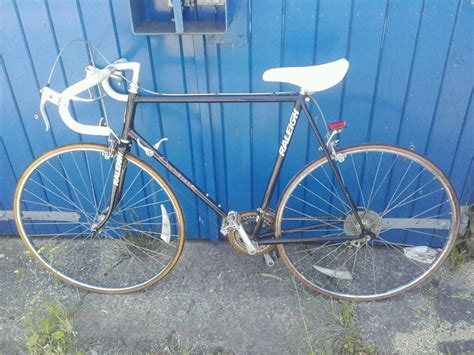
(251,248)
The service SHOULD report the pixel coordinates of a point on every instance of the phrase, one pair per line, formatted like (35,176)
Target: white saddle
(310,79)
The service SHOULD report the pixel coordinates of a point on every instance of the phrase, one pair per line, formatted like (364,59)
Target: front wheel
(402,198)
(65,193)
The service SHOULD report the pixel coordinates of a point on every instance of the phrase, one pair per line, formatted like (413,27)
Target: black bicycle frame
(298,100)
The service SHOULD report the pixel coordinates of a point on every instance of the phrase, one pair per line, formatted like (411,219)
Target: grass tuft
(308,338)
(348,339)
(174,346)
(461,252)
(52,333)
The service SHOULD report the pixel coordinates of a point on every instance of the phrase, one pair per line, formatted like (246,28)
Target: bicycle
(360,223)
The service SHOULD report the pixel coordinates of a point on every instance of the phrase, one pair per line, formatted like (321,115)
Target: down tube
(178,174)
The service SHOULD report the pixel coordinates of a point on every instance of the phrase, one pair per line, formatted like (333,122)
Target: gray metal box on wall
(178,16)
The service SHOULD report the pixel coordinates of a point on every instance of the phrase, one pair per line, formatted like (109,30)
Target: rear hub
(371,221)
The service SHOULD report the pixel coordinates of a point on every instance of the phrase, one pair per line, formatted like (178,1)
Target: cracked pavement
(217,300)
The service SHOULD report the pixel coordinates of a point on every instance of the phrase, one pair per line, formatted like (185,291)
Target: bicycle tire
(402,230)
(127,254)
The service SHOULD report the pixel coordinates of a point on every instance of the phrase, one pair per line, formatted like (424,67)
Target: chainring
(248,220)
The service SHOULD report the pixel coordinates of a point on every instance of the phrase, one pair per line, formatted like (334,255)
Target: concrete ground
(217,301)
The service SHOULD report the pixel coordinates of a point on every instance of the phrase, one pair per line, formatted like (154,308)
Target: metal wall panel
(410,83)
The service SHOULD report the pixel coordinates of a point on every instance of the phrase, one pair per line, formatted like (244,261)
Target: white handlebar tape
(112,93)
(92,79)
(79,127)
(123,66)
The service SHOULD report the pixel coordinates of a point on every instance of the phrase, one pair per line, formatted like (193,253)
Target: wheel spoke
(315,207)
(418,210)
(322,199)
(333,193)
(358,182)
(375,180)
(127,253)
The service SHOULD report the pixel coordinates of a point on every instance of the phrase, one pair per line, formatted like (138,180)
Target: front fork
(120,168)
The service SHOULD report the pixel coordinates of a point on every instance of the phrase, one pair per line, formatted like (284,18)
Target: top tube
(220,97)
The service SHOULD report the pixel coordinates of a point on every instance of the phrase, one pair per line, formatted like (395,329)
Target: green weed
(348,339)
(173,346)
(461,252)
(464,297)
(344,339)
(308,338)
(52,333)
(421,313)
(271,276)
(343,316)
(458,257)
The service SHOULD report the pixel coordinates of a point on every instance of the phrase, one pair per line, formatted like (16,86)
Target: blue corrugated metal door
(410,84)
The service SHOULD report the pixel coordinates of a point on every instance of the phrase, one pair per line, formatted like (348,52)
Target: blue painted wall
(410,83)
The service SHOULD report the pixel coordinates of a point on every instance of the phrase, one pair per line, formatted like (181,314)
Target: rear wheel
(63,194)
(406,202)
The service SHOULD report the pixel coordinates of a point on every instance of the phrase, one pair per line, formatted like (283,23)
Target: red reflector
(334,126)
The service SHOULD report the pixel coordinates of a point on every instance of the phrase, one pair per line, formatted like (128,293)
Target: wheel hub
(371,221)
(98,220)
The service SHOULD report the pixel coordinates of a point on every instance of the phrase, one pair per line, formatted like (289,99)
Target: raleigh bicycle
(360,223)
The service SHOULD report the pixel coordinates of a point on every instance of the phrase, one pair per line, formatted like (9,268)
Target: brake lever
(117,75)
(48,95)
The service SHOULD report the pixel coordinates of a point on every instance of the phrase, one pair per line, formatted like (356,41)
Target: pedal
(231,223)
(268,259)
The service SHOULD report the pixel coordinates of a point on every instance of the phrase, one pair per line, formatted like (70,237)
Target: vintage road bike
(360,223)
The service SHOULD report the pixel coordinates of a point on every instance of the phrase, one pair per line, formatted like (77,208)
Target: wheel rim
(402,194)
(66,191)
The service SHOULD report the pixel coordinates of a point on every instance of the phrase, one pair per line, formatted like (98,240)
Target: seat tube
(282,150)
(284,145)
